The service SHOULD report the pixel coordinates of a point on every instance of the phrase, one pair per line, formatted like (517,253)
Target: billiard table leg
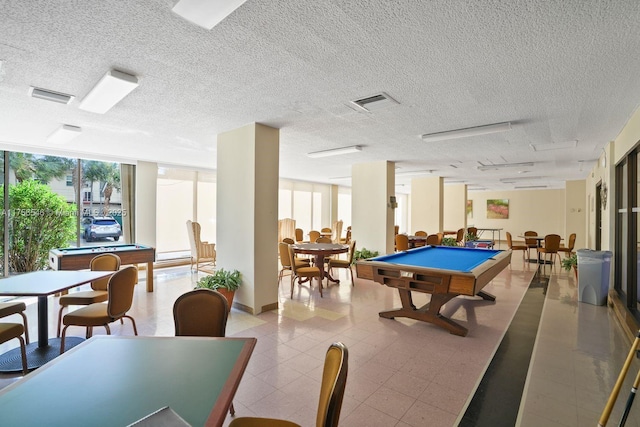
(486,296)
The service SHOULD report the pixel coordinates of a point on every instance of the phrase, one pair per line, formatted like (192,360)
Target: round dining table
(320,251)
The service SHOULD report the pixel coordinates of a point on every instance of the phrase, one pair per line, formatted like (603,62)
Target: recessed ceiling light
(63,134)
(206,13)
(110,90)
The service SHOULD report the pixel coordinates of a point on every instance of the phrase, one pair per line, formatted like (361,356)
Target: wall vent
(50,95)
(374,102)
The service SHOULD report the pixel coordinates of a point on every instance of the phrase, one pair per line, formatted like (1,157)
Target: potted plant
(224,281)
(364,271)
(571,262)
(449,241)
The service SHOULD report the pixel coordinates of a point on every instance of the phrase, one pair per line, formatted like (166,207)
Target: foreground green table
(115,381)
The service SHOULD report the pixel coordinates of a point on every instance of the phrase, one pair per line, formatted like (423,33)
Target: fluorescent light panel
(554,146)
(466,132)
(64,134)
(50,95)
(110,90)
(413,173)
(505,165)
(335,151)
(206,13)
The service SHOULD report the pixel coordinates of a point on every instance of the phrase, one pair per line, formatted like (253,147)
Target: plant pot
(228,295)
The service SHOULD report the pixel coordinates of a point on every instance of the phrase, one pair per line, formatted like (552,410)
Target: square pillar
(372,217)
(247,213)
(427,204)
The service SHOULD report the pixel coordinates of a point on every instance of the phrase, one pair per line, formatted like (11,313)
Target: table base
(536,261)
(11,361)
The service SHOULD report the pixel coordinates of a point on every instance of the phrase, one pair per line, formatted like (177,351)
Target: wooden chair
(288,241)
(420,233)
(9,331)
(568,250)
(201,252)
(551,245)
(402,242)
(341,263)
(313,235)
(472,231)
(440,237)
(334,381)
(299,235)
(120,288)
(323,239)
(433,239)
(98,292)
(347,238)
(16,307)
(531,243)
(306,272)
(460,237)
(201,313)
(336,237)
(523,248)
(285,261)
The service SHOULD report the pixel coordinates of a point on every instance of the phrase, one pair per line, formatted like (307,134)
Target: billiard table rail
(442,284)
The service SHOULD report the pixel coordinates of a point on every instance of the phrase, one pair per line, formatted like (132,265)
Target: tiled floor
(404,372)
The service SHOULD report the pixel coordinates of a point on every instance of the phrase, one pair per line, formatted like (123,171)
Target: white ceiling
(560,71)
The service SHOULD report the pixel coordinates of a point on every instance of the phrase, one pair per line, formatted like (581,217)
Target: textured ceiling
(560,71)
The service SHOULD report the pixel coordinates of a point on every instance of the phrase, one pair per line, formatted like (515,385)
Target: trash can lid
(588,253)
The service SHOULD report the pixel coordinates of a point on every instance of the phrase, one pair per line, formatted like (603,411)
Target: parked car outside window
(100,227)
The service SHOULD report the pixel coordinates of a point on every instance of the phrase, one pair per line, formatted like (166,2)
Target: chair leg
(62,337)
(351,273)
(26,327)
(23,355)
(292,283)
(59,320)
(133,322)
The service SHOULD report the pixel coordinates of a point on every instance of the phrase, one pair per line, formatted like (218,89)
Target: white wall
(542,211)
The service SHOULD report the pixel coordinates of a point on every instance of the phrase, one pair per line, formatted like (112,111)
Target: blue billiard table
(445,272)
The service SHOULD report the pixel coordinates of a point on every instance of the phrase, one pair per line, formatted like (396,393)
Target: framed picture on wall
(498,209)
(469,209)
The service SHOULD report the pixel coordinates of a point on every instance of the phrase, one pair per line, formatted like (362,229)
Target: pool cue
(632,395)
(616,388)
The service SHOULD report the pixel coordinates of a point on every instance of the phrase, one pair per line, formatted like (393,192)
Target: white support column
(247,213)
(455,207)
(372,217)
(146,205)
(427,197)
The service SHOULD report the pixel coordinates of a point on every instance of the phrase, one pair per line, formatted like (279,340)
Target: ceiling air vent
(50,95)
(374,102)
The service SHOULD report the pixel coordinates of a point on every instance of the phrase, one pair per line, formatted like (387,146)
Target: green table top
(115,381)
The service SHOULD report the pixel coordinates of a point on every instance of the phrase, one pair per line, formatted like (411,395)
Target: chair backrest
(283,250)
(337,231)
(420,233)
(334,381)
(473,231)
(121,286)
(299,235)
(288,241)
(201,313)
(347,238)
(103,262)
(509,240)
(325,230)
(323,239)
(460,235)
(193,230)
(402,242)
(313,235)
(440,237)
(531,242)
(292,256)
(551,242)
(396,229)
(572,241)
(432,239)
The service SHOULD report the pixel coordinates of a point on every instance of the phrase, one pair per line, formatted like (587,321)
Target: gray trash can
(593,276)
